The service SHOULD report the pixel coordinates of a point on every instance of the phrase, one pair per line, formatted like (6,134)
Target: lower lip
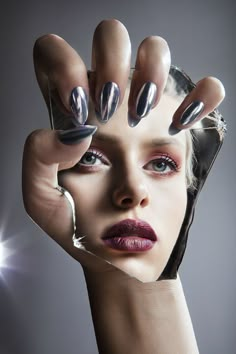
(130,243)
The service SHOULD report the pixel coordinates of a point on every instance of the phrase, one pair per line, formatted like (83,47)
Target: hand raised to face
(66,83)
(58,64)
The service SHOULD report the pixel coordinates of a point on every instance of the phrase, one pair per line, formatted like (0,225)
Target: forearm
(134,317)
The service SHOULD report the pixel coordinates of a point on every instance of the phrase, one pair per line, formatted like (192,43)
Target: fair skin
(129,316)
(57,63)
(131,185)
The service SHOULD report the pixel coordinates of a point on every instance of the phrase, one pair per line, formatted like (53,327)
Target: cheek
(170,203)
(169,206)
(89,193)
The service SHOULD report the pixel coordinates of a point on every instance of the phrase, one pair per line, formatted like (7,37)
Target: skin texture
(132,316)
(60,66)
(123,184)
(136,318)
(57,62)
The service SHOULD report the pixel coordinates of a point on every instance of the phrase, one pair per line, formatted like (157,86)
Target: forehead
(154,127)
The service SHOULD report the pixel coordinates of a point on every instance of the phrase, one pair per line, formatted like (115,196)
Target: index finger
(58,64)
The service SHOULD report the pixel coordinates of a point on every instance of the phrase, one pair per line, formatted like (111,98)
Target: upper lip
(130,227)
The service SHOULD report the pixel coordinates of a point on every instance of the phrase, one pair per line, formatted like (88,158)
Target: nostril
(144,202)
(127,197)
(127,201)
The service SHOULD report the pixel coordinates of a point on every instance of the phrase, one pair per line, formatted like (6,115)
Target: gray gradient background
(43,301)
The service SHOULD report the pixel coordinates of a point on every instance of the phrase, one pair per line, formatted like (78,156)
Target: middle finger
(110,67)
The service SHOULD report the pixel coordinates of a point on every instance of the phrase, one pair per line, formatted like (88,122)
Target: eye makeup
(93,160)
(162,164)
(161,156)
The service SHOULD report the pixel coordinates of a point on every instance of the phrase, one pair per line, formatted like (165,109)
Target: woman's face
(130,190)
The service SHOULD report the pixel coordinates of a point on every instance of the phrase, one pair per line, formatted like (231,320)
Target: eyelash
(94,153)
(168,161)
(163,158)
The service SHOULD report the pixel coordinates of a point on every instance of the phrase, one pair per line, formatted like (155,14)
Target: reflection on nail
(109,100)
(173,130)
(75,135)
(191,112)
(133,121)
(79,105)
(146,98)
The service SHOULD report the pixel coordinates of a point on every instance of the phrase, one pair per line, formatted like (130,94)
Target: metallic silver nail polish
(146,98)
(75,135)
(173,130)
(133,121)
(109,101)
(79,105)
(191,112)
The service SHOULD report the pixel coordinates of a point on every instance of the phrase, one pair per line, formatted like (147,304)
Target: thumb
(45,153)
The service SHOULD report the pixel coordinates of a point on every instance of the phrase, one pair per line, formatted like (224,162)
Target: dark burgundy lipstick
(130,235)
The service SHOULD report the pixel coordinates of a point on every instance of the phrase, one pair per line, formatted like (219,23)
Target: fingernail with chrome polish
(109,100)
(133,121)
(173,129)
(191,112)
(75,135)
(146,98)
(79,105)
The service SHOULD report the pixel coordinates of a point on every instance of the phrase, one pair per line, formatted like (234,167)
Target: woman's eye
(163,165)
(91,158)
(160,166)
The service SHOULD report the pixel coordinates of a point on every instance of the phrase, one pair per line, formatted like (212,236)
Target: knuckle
(34,140)
(154,41)
(215,81)
(45,38)
(214,85)
(109,22)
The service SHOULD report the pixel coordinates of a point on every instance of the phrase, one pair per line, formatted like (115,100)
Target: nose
(130,190)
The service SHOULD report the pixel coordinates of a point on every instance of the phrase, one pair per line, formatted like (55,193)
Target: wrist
(135,317)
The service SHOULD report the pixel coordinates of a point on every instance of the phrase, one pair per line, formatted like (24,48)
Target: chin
(137,268)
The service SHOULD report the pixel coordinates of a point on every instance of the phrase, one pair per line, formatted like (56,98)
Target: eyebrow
(166,141)
(156,142)
(106,138)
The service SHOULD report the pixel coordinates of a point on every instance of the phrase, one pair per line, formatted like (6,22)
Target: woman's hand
(59,67)
(44,155)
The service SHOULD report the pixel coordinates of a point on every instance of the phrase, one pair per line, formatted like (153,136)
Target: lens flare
(7,250)
(1,254)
